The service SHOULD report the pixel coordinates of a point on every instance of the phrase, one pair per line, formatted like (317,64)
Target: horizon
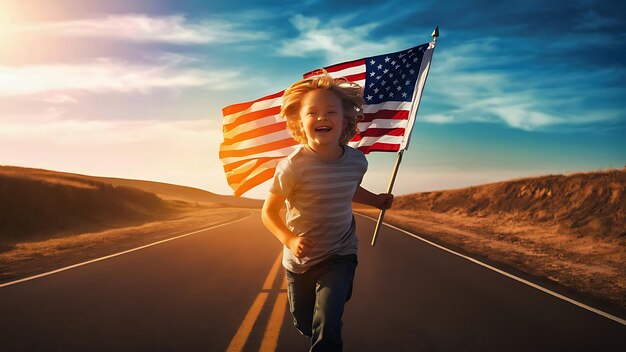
(135,90)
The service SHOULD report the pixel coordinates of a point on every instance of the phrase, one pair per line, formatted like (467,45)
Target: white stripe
(388,105)
(252,125)
(116,254)
(367,141)
(382,123)
(257,141)
(270,154)
(354,70)
(259,105)
(526,282)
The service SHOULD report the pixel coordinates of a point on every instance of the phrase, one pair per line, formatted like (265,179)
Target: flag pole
(435,34)
(389,189)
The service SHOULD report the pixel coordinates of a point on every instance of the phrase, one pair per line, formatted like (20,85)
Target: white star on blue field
(515,89)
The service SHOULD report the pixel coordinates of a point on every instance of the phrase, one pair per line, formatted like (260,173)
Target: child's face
(322,118)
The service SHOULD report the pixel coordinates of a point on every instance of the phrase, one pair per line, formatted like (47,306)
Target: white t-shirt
(319,202)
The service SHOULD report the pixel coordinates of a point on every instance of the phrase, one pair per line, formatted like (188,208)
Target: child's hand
(300,246)
(384,201)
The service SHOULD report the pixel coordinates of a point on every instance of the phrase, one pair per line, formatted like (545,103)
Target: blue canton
(392,76)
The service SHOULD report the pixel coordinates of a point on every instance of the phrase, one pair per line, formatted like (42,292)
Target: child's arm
(299,246)
(380,201)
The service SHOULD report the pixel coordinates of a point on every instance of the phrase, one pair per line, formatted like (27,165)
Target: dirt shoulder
(593,267)
(30,258)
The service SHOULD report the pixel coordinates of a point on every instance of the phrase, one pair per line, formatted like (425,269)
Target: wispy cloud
(109,75)
(335,39)
(137,27)
(521,98)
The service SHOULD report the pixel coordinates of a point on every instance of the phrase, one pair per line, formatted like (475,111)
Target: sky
(134,89)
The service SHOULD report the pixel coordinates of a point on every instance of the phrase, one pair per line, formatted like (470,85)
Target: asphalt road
(221,290)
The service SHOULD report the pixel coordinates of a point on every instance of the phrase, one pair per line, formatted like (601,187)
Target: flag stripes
(256,139)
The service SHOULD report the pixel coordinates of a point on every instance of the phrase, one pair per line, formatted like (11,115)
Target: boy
(319,181)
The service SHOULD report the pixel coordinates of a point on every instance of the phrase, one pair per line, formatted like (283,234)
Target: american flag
(256,138)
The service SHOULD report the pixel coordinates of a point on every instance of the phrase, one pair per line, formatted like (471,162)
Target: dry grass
(588,264)
(30,258)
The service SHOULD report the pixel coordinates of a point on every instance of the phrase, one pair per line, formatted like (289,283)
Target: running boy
(319,181)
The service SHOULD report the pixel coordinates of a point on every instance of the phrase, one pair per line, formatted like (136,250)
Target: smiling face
(321,113)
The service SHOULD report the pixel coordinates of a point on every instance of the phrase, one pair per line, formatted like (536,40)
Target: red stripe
(235,108)
(335,68)
(255,181)
(379,147)
(386,114)
(258,132)
(288,142)
(251,116)
(378,132)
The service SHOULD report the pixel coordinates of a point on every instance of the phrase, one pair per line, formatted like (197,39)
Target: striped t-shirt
(319,202)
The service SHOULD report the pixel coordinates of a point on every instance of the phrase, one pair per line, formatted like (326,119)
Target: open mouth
(323,129)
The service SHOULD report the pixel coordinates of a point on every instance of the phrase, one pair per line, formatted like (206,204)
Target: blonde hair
(349,93)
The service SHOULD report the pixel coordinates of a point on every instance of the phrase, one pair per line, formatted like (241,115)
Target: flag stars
(391,75)
(399,88)
(372,62)
(414,59)
(372,74)
(383,82)
(379,66)
(391,94)
(407,82)
(388,88)
(397,67)
(385,70)
(378,77)
(393,62)
(369,97)
(404,95)
(375,90)
(412,72)
(387,59)
(380,96)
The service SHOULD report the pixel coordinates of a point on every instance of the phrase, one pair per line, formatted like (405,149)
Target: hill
(37,203)
(592,203)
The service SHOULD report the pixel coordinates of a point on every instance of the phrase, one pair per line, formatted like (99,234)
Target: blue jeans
(317,298)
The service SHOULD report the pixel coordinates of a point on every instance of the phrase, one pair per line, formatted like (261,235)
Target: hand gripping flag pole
(419,89)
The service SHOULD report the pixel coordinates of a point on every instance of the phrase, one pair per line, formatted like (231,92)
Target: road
(221,289)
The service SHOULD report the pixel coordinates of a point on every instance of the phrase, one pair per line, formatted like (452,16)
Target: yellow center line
(240,338)
(270,338)
(270,277)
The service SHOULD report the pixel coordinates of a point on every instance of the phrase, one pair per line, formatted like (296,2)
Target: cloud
(108,75)
(335,40)
(142,28)
(477,82)
(58,99)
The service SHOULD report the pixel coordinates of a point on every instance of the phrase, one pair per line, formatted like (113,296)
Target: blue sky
(134,89)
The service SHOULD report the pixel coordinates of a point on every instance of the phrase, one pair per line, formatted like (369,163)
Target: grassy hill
(37,203)
(592,203)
